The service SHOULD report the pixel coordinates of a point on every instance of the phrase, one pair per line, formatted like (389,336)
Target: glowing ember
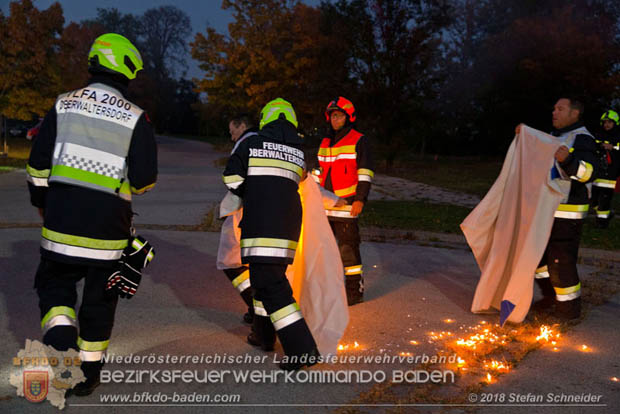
(615,379)
(448,320)
(356,345)
(496,365)
(340,347)
(555,349)
(584,348)
(405,354)
(545,332)
(412,342)
(489,378)
(460,362)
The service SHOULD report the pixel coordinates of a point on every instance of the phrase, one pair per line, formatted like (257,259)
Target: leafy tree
(275,48)
(394,47)
(161,36)
(75,43)
(543,50)
(29,77)
(164,32)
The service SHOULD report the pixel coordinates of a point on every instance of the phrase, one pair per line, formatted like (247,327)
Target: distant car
(16,131)
(34,131)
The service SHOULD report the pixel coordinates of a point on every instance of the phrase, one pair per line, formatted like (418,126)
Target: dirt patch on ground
(393,188)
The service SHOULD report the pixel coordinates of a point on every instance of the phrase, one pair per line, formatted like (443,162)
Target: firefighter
(575,162)
(609,153)
(240,128)
(94,150)
(265,171)
(346,168)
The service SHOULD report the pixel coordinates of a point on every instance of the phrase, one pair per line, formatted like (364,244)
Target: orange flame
(545,332)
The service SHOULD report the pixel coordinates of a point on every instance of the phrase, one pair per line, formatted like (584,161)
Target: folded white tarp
(316,275)
(508,231)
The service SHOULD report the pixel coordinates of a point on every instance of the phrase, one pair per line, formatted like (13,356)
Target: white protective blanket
(316,275)
(508,231)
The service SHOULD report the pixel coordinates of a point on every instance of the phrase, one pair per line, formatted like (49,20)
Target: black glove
(136,256)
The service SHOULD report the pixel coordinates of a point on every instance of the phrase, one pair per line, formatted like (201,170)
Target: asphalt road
(187,307)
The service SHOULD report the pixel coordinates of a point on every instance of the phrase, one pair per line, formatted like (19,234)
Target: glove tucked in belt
(126,279)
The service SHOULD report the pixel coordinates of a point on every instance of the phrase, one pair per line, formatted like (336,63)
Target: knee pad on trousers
(62,338)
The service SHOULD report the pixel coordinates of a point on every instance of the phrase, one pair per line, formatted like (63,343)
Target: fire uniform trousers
(347,170)
(240,276)
(265,171)
(603,186)
(94,149)
(557,272)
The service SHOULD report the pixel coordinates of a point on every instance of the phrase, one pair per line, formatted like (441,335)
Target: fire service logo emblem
(36,385)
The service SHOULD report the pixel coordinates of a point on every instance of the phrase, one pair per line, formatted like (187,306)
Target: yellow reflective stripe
(259,308)
(269,242)
(571,150)
(566,291)
(83,241)
(55,311)
(584,172)
(92,346)
(33,172)
(333,151)
(283,312)
(365,171)
(601,182)
(143,189)
(241,278)
(346,191)
(232,178)
(542,269)
(573,207)
(603,214)
(267,162)
(137,244)
(286,316)
(353,270)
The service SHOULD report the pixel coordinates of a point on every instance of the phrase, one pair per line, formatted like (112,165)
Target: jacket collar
(106,80)
(558,132)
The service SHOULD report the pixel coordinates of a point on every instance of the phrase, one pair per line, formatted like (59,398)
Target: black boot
(544,305)
(263,334)
(91,371)
(568,310)
(354,285)
(246,295)
(298,362)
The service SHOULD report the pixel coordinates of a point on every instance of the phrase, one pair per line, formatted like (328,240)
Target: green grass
(607,239)
(444,218)
(18,153)
(470,176)
(414,215)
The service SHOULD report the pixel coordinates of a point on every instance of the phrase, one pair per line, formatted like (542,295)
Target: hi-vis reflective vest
(95,126)
(584,173)
(340,161)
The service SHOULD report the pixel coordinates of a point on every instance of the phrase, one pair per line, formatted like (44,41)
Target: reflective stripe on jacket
(340,161)
(94,129)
